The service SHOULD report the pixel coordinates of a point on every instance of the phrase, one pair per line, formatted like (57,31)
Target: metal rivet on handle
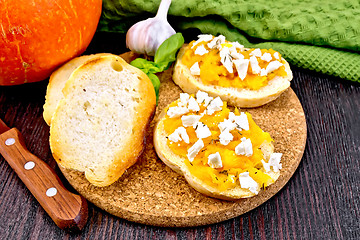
(51,192)
(29,165)
(9,141)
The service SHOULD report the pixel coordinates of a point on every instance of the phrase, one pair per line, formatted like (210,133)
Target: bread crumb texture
(151,193)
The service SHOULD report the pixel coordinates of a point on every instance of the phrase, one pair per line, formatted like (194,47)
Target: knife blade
(69,211)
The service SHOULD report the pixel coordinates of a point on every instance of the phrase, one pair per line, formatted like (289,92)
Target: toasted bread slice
(177,163)
(244,98)
(99,126)
(57,82)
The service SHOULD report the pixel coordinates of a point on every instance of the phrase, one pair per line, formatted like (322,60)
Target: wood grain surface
(321,201)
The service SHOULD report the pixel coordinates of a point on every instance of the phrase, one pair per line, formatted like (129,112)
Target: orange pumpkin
(37,36)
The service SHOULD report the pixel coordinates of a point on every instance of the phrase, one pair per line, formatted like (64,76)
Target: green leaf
(166,53)
(146,66)
(156,83)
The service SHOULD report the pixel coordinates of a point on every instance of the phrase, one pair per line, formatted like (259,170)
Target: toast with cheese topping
(222,154)
(99,126)
(243,77)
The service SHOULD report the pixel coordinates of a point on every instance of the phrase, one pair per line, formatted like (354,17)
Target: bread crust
(132,145)
(243,98)
(176,163)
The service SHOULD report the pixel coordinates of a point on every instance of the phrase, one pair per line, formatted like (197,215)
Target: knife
(69,211)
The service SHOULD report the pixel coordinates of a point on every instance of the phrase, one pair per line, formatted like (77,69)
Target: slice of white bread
(99,126)
(176,163)
(243,98)
(57,82)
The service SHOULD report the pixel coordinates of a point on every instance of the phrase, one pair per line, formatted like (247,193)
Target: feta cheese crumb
(203,97)
(227,124)
(237,45)
(215,105)
(244,148)
(174,112)
(201,50)
(272,66)
(225,59)
(276,55)
(195,149)
(241,66)
(256,52)
(195,69)
(193,105)
(202,38)
(202,131)
(216,42)
(225,137)
(274,161)
(266,57)
(184,99)
(234,54)
(248,183)
(263,72)
(179,134)
(266,165)
(190,120)
(242,121)
(254,65)
(214,160)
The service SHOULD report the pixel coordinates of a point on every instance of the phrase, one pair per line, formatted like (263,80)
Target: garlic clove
(146,36)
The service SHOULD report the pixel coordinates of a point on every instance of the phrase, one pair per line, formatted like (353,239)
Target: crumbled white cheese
(216,42)
(242,122)
(248,183)
(235,55)
(225,59)
(225,137)
(256,52)
(202,131)
(179,134)
(263,72)
(190,120)
(254,65)
(272,66)
(203,97)
(276,55)
(174,112)
(195,149)
(227,124)
(244,148)
(266,166)
(266,57)
(241,66)
(215,105)
(237,45)
(202,38)
(274,161)
(201,50)
(184,99)
(214,160)
(195,69)
(193,105)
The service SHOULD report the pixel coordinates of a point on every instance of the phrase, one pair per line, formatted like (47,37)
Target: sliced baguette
(176,163)
(57,82)
(99,126)
(243,98)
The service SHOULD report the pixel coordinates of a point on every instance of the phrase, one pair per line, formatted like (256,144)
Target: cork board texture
(151,193)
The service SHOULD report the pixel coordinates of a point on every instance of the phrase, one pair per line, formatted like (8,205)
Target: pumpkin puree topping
(219,62)
(232,163)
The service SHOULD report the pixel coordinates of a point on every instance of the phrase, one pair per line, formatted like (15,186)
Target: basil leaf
(166,53)
(156,83)
(146,66)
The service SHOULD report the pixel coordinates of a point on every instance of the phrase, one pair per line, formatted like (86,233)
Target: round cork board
(151,193)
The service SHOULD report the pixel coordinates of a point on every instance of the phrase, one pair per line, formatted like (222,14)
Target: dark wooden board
(321,200)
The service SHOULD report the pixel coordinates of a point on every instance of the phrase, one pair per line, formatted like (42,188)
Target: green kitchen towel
(321,35)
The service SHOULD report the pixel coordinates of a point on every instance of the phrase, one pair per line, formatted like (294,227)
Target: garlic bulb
(146,36)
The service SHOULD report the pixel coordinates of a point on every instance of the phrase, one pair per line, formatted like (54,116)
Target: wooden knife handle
(69,211)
